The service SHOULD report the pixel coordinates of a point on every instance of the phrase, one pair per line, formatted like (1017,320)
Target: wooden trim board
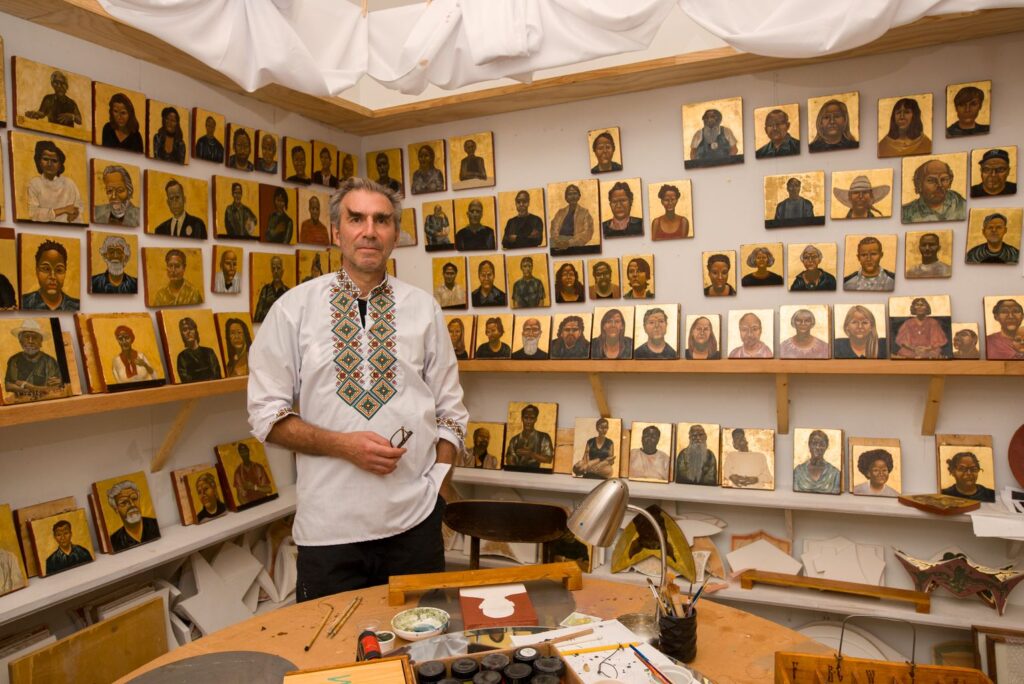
(921,601)
(568,573)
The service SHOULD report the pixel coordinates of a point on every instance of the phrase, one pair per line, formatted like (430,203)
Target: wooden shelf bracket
(180,421)
(936,385)
(782,402)
(599,395)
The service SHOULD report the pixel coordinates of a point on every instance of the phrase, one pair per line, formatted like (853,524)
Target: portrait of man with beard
(116,253)
(125,498)
(119,188)
(531,336)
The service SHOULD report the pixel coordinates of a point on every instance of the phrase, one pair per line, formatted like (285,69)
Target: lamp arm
(663,586)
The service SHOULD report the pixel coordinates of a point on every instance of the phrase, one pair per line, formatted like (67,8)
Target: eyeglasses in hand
(402,435)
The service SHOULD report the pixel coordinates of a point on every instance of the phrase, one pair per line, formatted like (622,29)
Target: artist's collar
(350,288)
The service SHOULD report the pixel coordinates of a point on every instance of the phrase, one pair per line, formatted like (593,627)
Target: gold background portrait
(28,243)
(484,149)
(32,84)
(732,118)
(107,348)
(170,319)
(761,113)
(197,193)
(877,178)
(101,94)
(154,121)
(23,169)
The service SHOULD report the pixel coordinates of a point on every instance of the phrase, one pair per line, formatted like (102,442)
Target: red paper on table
(473,616)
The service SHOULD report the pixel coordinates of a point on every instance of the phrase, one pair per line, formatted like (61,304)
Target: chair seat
(505,521)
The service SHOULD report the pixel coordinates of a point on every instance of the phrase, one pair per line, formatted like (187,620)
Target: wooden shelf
(175,542)
(87,404)
(87,20)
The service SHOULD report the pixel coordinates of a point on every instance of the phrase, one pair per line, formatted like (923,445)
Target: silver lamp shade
(596,521)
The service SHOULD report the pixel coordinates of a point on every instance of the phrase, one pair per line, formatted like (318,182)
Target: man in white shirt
(649,462)
(368,358)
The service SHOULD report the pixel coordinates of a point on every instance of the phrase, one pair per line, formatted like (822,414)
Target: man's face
(124,339)
(62,535)
(526,266)
(127,502)
(810,259)
(59,84)
(276,268)
(243,453)
(817,445)
(620,204)
(189,334)
(116,189)
(603,276)
(481,440)
(175,270)
(449,276)
(299,161)
(655,326)
(492,332)
(207,493)
(229,265)
(470,147)
(967,111)
(712,119)
(211,126)
(994,231)
(114,256)
(603,150)
(697,436)
(176,200)
(529,419)
(1009,315)
(368,231)
(964,340)
(993,175)
(236,194)
(268,148)
(776,126)
(649,439)
(383,166)
(347,166)
(571,333)
(531,329)
(486,274)
(243,147)
(793,187)
(928,245)
(51,269)
(325,161)
(522,203)
(869,255)
(935,183)
(314,209)
(31,343)
(475,212)
(861,201)
(750,330)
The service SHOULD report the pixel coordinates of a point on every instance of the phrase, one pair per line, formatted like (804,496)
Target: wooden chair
(505,521)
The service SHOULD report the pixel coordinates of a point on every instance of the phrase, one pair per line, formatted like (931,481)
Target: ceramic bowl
(420,623)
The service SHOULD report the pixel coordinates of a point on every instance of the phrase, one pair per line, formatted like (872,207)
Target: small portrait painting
(639,275)
(794,199)
(719,276)
(605,150)
(13,575)
(905,125)
(128,351)
(3,192)
(966,470)
(621,208)
(474,156)
(51,272)
(604,278)
(934,188)
(203,488)
(312,205)
(531,431)
(570,335)
(49,179)
(965,341)
(493,336)
(3,89)
(190,341)
(703,332)
(461,329)
(266,149)
(234,330)
(748,458)
(869,263)
(656,331)
(814,265)
(385,167)
(671,209)
(406,227)
(804,331)
(568,281)
(596,448)
(761,264)
(649,447)
(325,164)
(993,236)
(521,212)
(173,277)
(277,214)
(485,445)
(167,134)
(995,169)
(713,133)
(129,518)
(968,108)
(176,206)
(8,269)
(116,189)
(430,166)
(348,166)
(113,262)
(928,254)
(817,460)
(530,337)
(240,148)
(270,276)
(751,334)
(876,468)
(208,130)
(51,100)
(475,220)
(573,228)
(528,278)
(776,131)
(310,264)
(247,472)
(921,327)
(438,229)
(235,203)
(859,332)
(1004,339)
(863,194)
(61,541)
(487,280)
(115,117)
(449,279)
(611,336)
(297,157)
(33,361)
(697,446)
(836,122)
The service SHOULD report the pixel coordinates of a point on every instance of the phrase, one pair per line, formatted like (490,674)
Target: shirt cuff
(264,426)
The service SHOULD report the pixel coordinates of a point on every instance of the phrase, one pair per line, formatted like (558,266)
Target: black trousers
(326,570)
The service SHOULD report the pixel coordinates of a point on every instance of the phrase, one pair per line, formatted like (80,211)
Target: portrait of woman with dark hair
(670,225)
(701,343)
(876,465)
(832,128)
(427,178)
(494,347)
(121,131)
(51,269)
(238,341)
(169,140)
(53,197)
(597,459)
(906,135)
(457,332)
(280,227)
(965,466)
(568,288)
(603,149)
(718,267)
(612,342)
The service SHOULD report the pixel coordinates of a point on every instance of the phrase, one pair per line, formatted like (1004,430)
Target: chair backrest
(505,521)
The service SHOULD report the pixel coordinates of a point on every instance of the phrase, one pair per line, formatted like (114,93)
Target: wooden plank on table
(920,600)
(568,573)
(100,653)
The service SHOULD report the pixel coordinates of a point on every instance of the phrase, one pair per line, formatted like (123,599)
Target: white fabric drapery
(323,47)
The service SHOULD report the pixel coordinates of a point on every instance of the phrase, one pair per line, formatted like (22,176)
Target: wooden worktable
(733,646)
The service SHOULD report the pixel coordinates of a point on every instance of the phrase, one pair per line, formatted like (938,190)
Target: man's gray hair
(116,168)
(115,241)
(117,489)
(208,479)
(355,183)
